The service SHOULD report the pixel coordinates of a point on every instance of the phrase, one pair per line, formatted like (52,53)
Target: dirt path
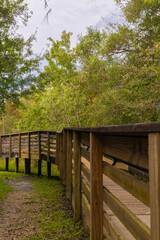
(18,212)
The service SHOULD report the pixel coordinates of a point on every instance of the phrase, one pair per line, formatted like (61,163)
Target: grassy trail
(35,208)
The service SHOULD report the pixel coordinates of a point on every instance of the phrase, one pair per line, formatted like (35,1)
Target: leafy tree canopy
(17,64)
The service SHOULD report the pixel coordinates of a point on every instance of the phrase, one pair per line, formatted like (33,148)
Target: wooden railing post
(48,156)
(39,150)
(10,146)
(57,149)
(61,154)
(29,146)
(69,166)
(77,175)
(154,175)
(64,156)
(19,145)
(96,194)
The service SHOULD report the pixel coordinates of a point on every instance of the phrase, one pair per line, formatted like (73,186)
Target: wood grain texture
(77,176)
(154,175)
(69,166)
(137,188)
(28,145)
(48,146)
(86,172)
(138,229)
(57,149)
(96,182)
(85,138)
(141,129)
(131,150)
(85,153)
(39,144)
(64,158)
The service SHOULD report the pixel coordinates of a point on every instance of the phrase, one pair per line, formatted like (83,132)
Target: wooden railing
(37,145)
(102,194)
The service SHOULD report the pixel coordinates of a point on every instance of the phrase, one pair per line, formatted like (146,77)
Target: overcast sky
(70,15)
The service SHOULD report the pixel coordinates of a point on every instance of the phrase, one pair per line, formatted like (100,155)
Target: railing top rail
(23,133)
(127,129)
(132,129)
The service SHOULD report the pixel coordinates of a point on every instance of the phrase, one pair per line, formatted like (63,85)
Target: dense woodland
(111,76)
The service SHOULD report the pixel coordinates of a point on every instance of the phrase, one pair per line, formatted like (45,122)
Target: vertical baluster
(96,194)
(69,166)
(154,175)
(77,176)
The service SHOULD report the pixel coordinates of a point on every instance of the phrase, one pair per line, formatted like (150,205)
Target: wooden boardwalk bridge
(94,166)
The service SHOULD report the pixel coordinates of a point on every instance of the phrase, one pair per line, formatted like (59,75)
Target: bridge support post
(39,167)
(7,163)
(16,164)
(69,166)
(61,155)
(27,165)
(77,176)
(154,175)
(96,193)
(64,156)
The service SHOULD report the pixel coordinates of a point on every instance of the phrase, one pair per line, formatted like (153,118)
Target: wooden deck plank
(133,204)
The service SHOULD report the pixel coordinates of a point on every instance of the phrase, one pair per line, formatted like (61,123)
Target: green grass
(56,218)
(34,166)
(4,189)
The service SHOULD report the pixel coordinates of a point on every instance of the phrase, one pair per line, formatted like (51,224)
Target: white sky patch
(70,15)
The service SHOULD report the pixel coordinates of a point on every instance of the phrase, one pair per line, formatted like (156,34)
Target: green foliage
(107,78)
(16,61)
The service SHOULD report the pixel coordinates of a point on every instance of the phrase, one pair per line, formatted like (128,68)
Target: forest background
(111,76)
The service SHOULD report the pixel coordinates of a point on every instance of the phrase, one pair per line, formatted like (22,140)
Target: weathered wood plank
(64,156)
(85,171)
(77,176)
(69,166)
(48,146)
(85,153)
(131,150)
(85,138)
(138,229)
(39,145)
(154,175)
(86,189)
(57,149)
(86,211)
(137,188)
(96,182)
(10,145)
